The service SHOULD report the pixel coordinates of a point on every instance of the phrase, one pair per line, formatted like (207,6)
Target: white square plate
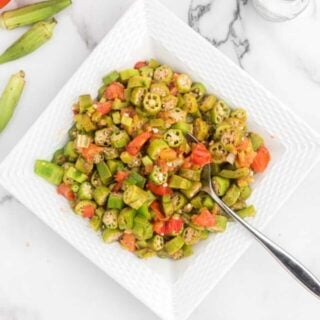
(171,289)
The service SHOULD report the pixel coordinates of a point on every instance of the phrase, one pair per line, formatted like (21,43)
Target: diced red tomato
(3,3)
(88,211)
(90,152)
(140,64)
(204,219)
(128,240)
(128,111)
(121,175)
(155,206)
(137,143)
(200,155)
(65,190)
(158,190)
(115,91)
(173,226)
(261,160)
(159,228)
(104,107)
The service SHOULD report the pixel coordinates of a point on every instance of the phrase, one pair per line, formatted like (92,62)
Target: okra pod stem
(31,40)
(32,13)
(10,98)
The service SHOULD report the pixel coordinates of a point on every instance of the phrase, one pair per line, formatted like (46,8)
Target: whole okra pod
(32,13)
(31,40)
(10,98)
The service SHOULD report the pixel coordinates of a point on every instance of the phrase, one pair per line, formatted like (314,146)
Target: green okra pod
(30,41)
(10,98)
(32,13)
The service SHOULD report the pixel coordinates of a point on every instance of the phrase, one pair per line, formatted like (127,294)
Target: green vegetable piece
(157,123)
(192,175)
(190,104)
(159,88)
(250,211)
(100,195)
(208,103)
(174,137)
(72,132)
(85,102)
(141,244)
(184,127)
(163,73)
(184,83)
(111,235)
(30,14)
(82,141)
(150,199)
(95,179)
(81,205)
(177,182)
(200,129)
(119,139)
(178,200)
(100,212)
(137,96)
(95,223)
(187,251)
(84,166)
(256,140)
(115,201)
(59,158)
(191,236)
(156,243)
(220,185)
(145,253)
(198,90)
(220,112)
(146,72)
(152,103)
(135,178)
(245,192)
(125,218)
(110,77)
(128,73)
(153,64)
(104,172)
(31,40)
(76,175)
(218,152)
(139,81)
(135,197)
(85,191)
(49,171)
(239,205)
(146,160)
(208,202)
(221,224)
(110,219)
(126,120)
(101,91)
(169,102)
(167,205)
(144,212)
(142,229)
(232,195)
(240,114)
(116,118)
(174,245)
(158,176)
(118,104)
(102,137)
(234,174)
(10,98)
(193,190)
(115,165)
(84,122)
(131,161)
(204,234)
(70,151)
(155,148)
(75,187)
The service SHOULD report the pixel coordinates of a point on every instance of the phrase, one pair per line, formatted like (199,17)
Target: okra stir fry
(129,169)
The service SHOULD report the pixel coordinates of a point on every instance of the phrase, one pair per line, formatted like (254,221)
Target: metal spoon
(293,266)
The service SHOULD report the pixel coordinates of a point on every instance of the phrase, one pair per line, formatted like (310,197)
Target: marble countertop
(43,277)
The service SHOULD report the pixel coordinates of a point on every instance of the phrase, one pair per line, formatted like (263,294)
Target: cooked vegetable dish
(129,169)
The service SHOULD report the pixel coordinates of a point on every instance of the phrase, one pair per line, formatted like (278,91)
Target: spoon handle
(293,266)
